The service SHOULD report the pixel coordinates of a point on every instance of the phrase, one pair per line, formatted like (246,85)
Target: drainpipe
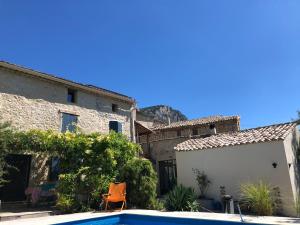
(132,119)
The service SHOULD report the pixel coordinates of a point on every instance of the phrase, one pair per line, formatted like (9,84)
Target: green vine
(88,162)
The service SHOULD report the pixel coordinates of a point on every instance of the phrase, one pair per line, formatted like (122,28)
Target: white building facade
(267,154)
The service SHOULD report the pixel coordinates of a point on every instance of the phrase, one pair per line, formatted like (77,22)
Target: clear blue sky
(203,57)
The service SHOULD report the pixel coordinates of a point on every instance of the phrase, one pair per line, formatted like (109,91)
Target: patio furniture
(116,193)
(33,194)
(41,192)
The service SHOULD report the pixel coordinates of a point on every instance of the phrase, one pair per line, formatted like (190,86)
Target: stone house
(158,143)
(267,154)
(36,100)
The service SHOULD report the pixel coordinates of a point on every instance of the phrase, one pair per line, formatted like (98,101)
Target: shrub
(141,183)
(260,198)
(88,163)
(181,199)
(297,205)
(5,136)
(203,181)
(66,203)
(158,205)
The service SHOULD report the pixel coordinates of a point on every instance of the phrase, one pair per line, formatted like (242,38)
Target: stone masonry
(31,102)
(159,145)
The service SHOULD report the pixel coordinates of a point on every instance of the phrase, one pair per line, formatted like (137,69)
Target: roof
(195,122)
(248,136)
(141,129)
(90,88)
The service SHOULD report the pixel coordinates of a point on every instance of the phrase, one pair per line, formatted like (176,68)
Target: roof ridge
(185,122)
(246,130)
(271,125)
(271,132)
(31,71)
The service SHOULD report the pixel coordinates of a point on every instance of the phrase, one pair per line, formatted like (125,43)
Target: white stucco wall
(291,144)
(231,166)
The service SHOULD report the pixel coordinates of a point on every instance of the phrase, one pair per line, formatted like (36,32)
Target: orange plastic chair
(116,193)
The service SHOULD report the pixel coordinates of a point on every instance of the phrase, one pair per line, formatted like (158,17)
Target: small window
(195,132)
(212,126)
(114,107)
(71,96)
(69,122)
(179,133)
(115,126)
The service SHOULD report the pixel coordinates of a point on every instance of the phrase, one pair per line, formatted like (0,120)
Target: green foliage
(260,198)
(297,205)
(141,182)
(181,199)
(203,181)
(6,134)
(194,206)
(66,203)
(88,163)
(158,205)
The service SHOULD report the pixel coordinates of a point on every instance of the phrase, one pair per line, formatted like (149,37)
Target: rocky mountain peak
(164,113)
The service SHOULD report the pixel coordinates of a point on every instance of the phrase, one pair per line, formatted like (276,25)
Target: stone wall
(147,120)
(221,127)
(34,103)
(160,145)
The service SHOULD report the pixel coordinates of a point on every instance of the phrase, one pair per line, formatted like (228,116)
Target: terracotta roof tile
(248,136)
(194,122)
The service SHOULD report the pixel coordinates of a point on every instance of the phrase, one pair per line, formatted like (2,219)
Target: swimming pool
(131,219)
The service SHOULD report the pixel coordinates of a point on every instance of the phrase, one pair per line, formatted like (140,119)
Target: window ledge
(68,111)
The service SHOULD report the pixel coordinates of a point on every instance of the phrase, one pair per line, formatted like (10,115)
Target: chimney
(169,114)
(212,129)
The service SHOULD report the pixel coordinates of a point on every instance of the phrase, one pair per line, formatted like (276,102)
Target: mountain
(163,113)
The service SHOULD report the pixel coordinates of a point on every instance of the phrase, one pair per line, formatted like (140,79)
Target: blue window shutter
(115,126)
(119,127)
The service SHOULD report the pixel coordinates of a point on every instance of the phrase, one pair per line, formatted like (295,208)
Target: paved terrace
(198,215)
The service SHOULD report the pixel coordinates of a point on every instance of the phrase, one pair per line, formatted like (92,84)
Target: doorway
(167,175)
(18,177)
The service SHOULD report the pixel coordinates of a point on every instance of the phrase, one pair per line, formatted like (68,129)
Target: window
(195,132)
(178,133)
(115,126)
(69,122)
(71,96)
(114,107)
(212,126)
(54,169)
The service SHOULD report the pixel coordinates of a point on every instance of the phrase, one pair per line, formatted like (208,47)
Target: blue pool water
(130,219)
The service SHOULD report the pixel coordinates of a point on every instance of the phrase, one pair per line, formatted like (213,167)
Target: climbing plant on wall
(88,163)
(5,135)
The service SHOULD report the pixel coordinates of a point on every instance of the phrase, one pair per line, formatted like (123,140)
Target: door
(167,175)
(18,178)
